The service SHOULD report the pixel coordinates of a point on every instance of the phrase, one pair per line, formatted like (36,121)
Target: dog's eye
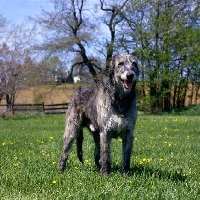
(121,63)
(134,65)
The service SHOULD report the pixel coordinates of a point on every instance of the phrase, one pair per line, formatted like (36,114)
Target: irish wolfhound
(108,110)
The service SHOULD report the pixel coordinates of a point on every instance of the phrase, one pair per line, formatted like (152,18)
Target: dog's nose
(129,76)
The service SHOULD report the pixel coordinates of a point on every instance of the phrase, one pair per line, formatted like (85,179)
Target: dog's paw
(62,166)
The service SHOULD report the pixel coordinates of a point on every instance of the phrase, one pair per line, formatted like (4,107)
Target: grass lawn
(165,161)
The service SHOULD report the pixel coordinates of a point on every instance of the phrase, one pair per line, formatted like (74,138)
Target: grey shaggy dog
(108,110)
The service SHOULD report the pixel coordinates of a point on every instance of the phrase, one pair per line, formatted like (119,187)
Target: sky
(18,10)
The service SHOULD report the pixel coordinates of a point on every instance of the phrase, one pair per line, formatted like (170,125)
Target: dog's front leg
(105,153)
(97,150)
(127,144)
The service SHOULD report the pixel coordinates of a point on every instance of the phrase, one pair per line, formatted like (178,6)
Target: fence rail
(55,108)
(35,108)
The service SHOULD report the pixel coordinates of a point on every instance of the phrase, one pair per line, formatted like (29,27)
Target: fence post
(43,108)
(12,106)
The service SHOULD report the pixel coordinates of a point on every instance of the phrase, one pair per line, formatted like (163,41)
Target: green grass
(192,110)
(165,162)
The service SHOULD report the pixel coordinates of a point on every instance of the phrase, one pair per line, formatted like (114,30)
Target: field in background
(165,162)
(56,94)
(46,94)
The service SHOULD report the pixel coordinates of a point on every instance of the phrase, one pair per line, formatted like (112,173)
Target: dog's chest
(116,123)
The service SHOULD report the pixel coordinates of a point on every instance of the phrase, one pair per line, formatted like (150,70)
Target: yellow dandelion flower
(53,163)
(3,144)
(141,163)
(175,120)
(16,164)
(86,161)
(76,168)
(169,145)
(120,140)
(148,160)
(54,182)
(135,139)
(144,159)
(183,175)
(129,181)
(15,157)
(51,137)
(151,137)
(161,159)
(165,128)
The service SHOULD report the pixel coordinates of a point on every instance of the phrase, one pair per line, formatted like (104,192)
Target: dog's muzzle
(128,82)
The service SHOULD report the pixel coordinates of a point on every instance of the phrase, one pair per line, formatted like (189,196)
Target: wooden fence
(35,108)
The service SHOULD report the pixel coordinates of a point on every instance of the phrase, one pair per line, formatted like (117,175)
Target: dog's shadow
(175,176)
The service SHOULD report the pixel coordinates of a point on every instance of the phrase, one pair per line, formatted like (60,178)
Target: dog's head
(125,71)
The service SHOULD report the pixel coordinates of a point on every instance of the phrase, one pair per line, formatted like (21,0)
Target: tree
(16,65)
(72,30)
(13,71)
(51,70)
(68,31)
(113,18)
(2,25)
(165,40)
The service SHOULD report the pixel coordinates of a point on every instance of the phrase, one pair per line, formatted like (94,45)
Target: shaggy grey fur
(108,110)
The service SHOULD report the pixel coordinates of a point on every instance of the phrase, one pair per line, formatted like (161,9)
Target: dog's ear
(137,69)
(134,62)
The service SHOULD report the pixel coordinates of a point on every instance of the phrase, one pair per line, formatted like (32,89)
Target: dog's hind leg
(70,133)
(79,145)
